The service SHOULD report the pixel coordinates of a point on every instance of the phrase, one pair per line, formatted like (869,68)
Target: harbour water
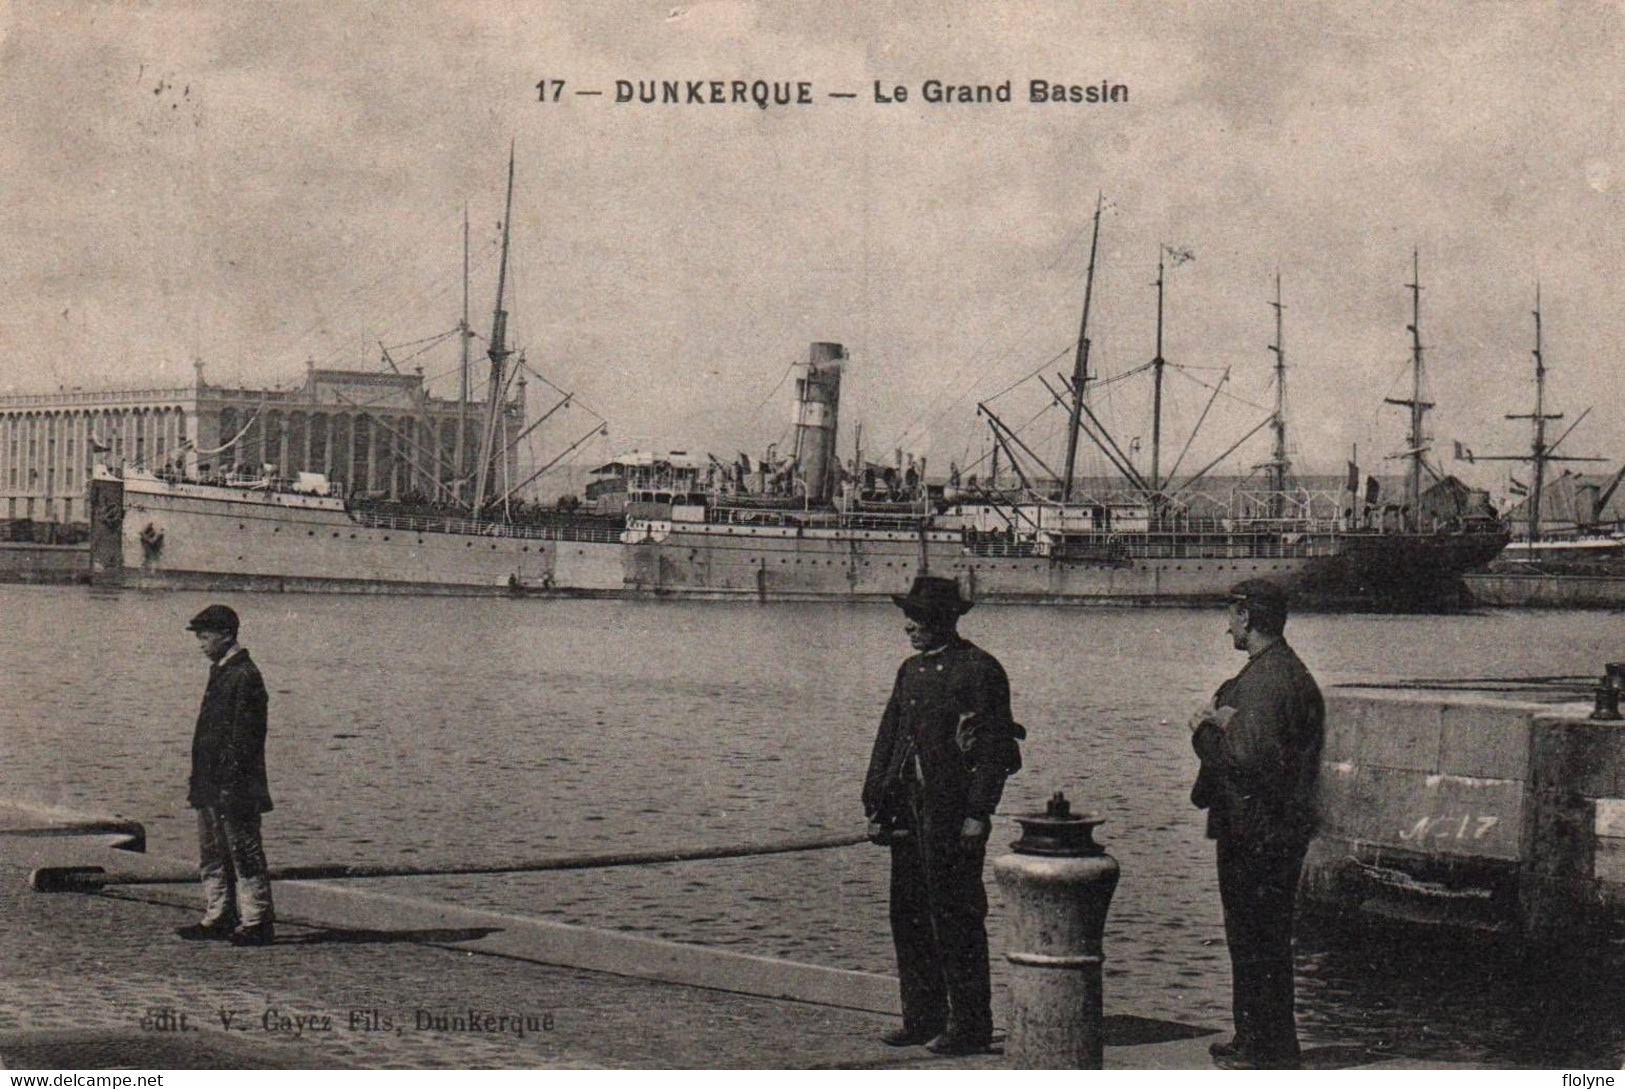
(450,730)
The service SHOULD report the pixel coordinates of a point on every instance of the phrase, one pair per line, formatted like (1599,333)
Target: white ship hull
(162,534)
(177,535)
(774,563)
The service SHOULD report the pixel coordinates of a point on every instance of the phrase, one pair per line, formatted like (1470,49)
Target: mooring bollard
(1608,693)
(1058,884)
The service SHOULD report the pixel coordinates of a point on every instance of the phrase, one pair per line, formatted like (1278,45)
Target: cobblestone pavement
(102,980)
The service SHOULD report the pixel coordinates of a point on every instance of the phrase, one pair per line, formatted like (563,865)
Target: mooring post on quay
(1608,692)
(1058,884)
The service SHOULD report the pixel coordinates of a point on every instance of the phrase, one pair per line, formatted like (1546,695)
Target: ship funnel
(818,400)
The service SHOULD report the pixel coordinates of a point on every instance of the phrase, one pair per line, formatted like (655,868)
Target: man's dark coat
(1259,770)
(945,746)
(1258,785)
(228,747)
(963,762)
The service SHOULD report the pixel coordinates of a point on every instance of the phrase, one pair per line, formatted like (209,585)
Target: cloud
(295,188)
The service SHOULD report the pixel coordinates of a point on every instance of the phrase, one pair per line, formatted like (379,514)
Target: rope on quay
(1564,683)
(90,878)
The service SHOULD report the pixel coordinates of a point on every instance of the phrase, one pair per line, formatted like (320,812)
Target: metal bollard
(1058,884)
(1608,692)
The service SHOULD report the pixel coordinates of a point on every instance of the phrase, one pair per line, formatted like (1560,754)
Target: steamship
(206,520)
(809,531)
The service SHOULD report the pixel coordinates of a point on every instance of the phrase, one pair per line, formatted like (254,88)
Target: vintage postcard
(789,535)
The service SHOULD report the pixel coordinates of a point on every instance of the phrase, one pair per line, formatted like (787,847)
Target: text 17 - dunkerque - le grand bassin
(763,93)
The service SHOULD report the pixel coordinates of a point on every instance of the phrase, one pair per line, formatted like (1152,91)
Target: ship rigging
(1541,454)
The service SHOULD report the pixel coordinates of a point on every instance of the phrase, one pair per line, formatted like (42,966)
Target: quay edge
(1471,809)
(43,563)
(1543,591)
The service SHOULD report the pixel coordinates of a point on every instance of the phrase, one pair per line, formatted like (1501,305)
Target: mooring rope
(1492,684)
(88,878)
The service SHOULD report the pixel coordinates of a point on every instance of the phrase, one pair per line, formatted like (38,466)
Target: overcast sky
(257,185)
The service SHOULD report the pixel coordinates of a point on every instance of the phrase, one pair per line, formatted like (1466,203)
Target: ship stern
(106,529)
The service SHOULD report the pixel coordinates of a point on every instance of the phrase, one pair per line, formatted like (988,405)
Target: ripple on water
(482,731)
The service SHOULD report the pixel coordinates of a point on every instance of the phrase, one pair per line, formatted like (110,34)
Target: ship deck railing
(822,519)
(607,532)
(1230,547)
(1002,548)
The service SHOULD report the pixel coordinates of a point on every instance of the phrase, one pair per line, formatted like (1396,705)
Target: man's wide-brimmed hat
(932,596)
(215,618)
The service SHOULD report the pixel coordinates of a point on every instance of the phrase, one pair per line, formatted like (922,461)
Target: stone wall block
(1344,711)
(1577,757)
(1403,734)
(1559,837)
(1337,799)
(1490,741)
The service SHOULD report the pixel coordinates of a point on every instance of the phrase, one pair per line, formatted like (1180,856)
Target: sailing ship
(246,526)
(1575,559)
(1046,542)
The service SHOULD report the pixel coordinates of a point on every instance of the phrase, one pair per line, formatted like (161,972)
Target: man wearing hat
(946,743)
(229,790)
(1259,741)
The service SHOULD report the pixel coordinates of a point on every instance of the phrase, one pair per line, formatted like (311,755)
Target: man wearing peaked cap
(1259,741)
(946,743)
(228,788)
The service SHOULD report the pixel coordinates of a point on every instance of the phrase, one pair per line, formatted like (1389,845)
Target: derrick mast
(1279,465)
(494,439)
(1080,366)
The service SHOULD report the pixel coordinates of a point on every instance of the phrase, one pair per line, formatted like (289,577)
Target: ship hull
(158,535)
(195,537)
(1548,591)
(775,563)
(1405,569)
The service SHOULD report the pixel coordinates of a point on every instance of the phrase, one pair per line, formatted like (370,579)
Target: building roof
(1560,500)
(646,459)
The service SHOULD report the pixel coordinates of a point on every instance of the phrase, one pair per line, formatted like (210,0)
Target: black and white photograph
(824,536)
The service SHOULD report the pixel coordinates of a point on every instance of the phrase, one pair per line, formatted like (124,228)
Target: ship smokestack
(818,401)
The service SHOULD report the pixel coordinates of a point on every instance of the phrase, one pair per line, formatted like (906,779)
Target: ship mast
(1541,453)
(1537,449)
(1279,465)
(1080,366)
(1418,407)
(460,464)
(499,356)
(1157,365)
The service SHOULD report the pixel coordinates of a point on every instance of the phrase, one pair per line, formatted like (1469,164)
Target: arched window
(297,426)
(318,443)
(360,477)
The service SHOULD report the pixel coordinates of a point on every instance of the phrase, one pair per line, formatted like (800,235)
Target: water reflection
(1452,998)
